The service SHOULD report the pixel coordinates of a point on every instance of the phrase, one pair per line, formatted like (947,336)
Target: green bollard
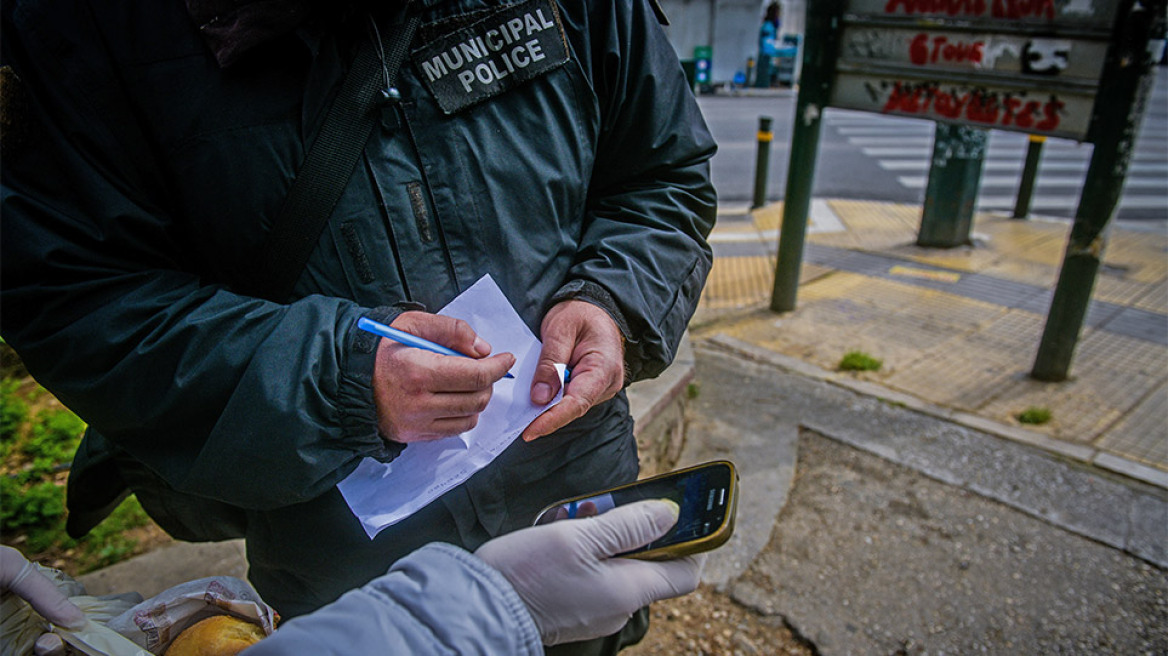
(819,59)
(1126,85)
(1029,174)
(762,161)
(954,177)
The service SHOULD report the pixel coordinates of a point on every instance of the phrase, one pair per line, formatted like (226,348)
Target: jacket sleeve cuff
(586,290)
(358,408)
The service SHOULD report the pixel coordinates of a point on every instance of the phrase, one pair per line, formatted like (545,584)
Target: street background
(868,156)
(907,510)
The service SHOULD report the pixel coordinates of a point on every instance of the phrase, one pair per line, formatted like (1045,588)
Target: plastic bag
(156,622)
(124,625)
(95,639)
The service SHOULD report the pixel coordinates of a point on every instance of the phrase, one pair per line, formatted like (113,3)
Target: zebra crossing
(903,147)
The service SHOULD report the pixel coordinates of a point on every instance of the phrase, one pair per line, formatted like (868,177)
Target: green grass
(13,412)
(30,508)
(859,361)
(692,391)
(51,442)
(38,438)
(1035,415)
(108,542)
(36,515)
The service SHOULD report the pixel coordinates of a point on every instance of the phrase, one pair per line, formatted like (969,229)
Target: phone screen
(702,494)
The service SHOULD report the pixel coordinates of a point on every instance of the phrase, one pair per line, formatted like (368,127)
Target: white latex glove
(574,588)
(18,576)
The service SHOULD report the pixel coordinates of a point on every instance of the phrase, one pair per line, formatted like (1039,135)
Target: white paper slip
(380,494)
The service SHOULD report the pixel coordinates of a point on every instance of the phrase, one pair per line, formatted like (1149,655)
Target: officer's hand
(19,577)
(586,338)
(566,574)
(425,396)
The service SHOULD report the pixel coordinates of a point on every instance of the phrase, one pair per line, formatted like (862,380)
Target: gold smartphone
(707,495)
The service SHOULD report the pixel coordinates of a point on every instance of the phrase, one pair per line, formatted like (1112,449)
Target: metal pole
(819,57)
(762,161)
(954,179)
(1122,95)
(1029,174)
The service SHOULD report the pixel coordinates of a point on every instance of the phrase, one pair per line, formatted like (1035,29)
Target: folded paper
(381,494)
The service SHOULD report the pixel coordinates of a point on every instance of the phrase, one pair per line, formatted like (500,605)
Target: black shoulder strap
(330,162)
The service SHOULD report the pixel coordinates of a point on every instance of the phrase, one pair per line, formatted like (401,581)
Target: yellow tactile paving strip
(959,352)
(1143,255)
(768,218)
(743,282)
(871,226)
(738,282)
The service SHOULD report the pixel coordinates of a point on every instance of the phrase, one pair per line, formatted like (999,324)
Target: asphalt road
(867,156)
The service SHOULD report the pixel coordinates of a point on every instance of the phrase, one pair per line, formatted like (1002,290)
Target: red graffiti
(920,52)
(949,7)
(1011,9)
(975,106)
(1024,9)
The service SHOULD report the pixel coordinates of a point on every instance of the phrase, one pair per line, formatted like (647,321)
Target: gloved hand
(574,588)
(18,576)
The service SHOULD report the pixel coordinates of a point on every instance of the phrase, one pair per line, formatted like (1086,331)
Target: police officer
(158,147)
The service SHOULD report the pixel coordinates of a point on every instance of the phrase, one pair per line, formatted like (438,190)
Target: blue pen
(406,339)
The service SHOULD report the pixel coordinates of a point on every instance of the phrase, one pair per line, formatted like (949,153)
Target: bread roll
(221,635)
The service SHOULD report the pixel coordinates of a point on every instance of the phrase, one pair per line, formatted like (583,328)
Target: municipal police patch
(495,54)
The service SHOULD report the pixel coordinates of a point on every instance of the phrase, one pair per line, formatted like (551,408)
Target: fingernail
(481,346)
(674,509)
(541,393)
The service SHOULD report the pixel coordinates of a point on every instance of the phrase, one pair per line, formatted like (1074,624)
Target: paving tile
(961,379)
(1111,286)
(1037,274)
(738,281)
(1155,300)
(966,259)
(1142,255)
(1140,324)
(996,290)
(1143,434)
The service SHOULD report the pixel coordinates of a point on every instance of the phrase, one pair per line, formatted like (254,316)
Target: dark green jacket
(141,179)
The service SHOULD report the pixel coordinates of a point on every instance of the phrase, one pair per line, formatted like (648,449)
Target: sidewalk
(907,510)
(958,329)
(867,526)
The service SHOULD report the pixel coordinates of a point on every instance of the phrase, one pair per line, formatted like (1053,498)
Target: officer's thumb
(546,381)
(629,527)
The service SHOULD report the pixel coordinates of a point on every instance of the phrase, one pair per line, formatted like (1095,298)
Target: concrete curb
(1126,514)
(658,409)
